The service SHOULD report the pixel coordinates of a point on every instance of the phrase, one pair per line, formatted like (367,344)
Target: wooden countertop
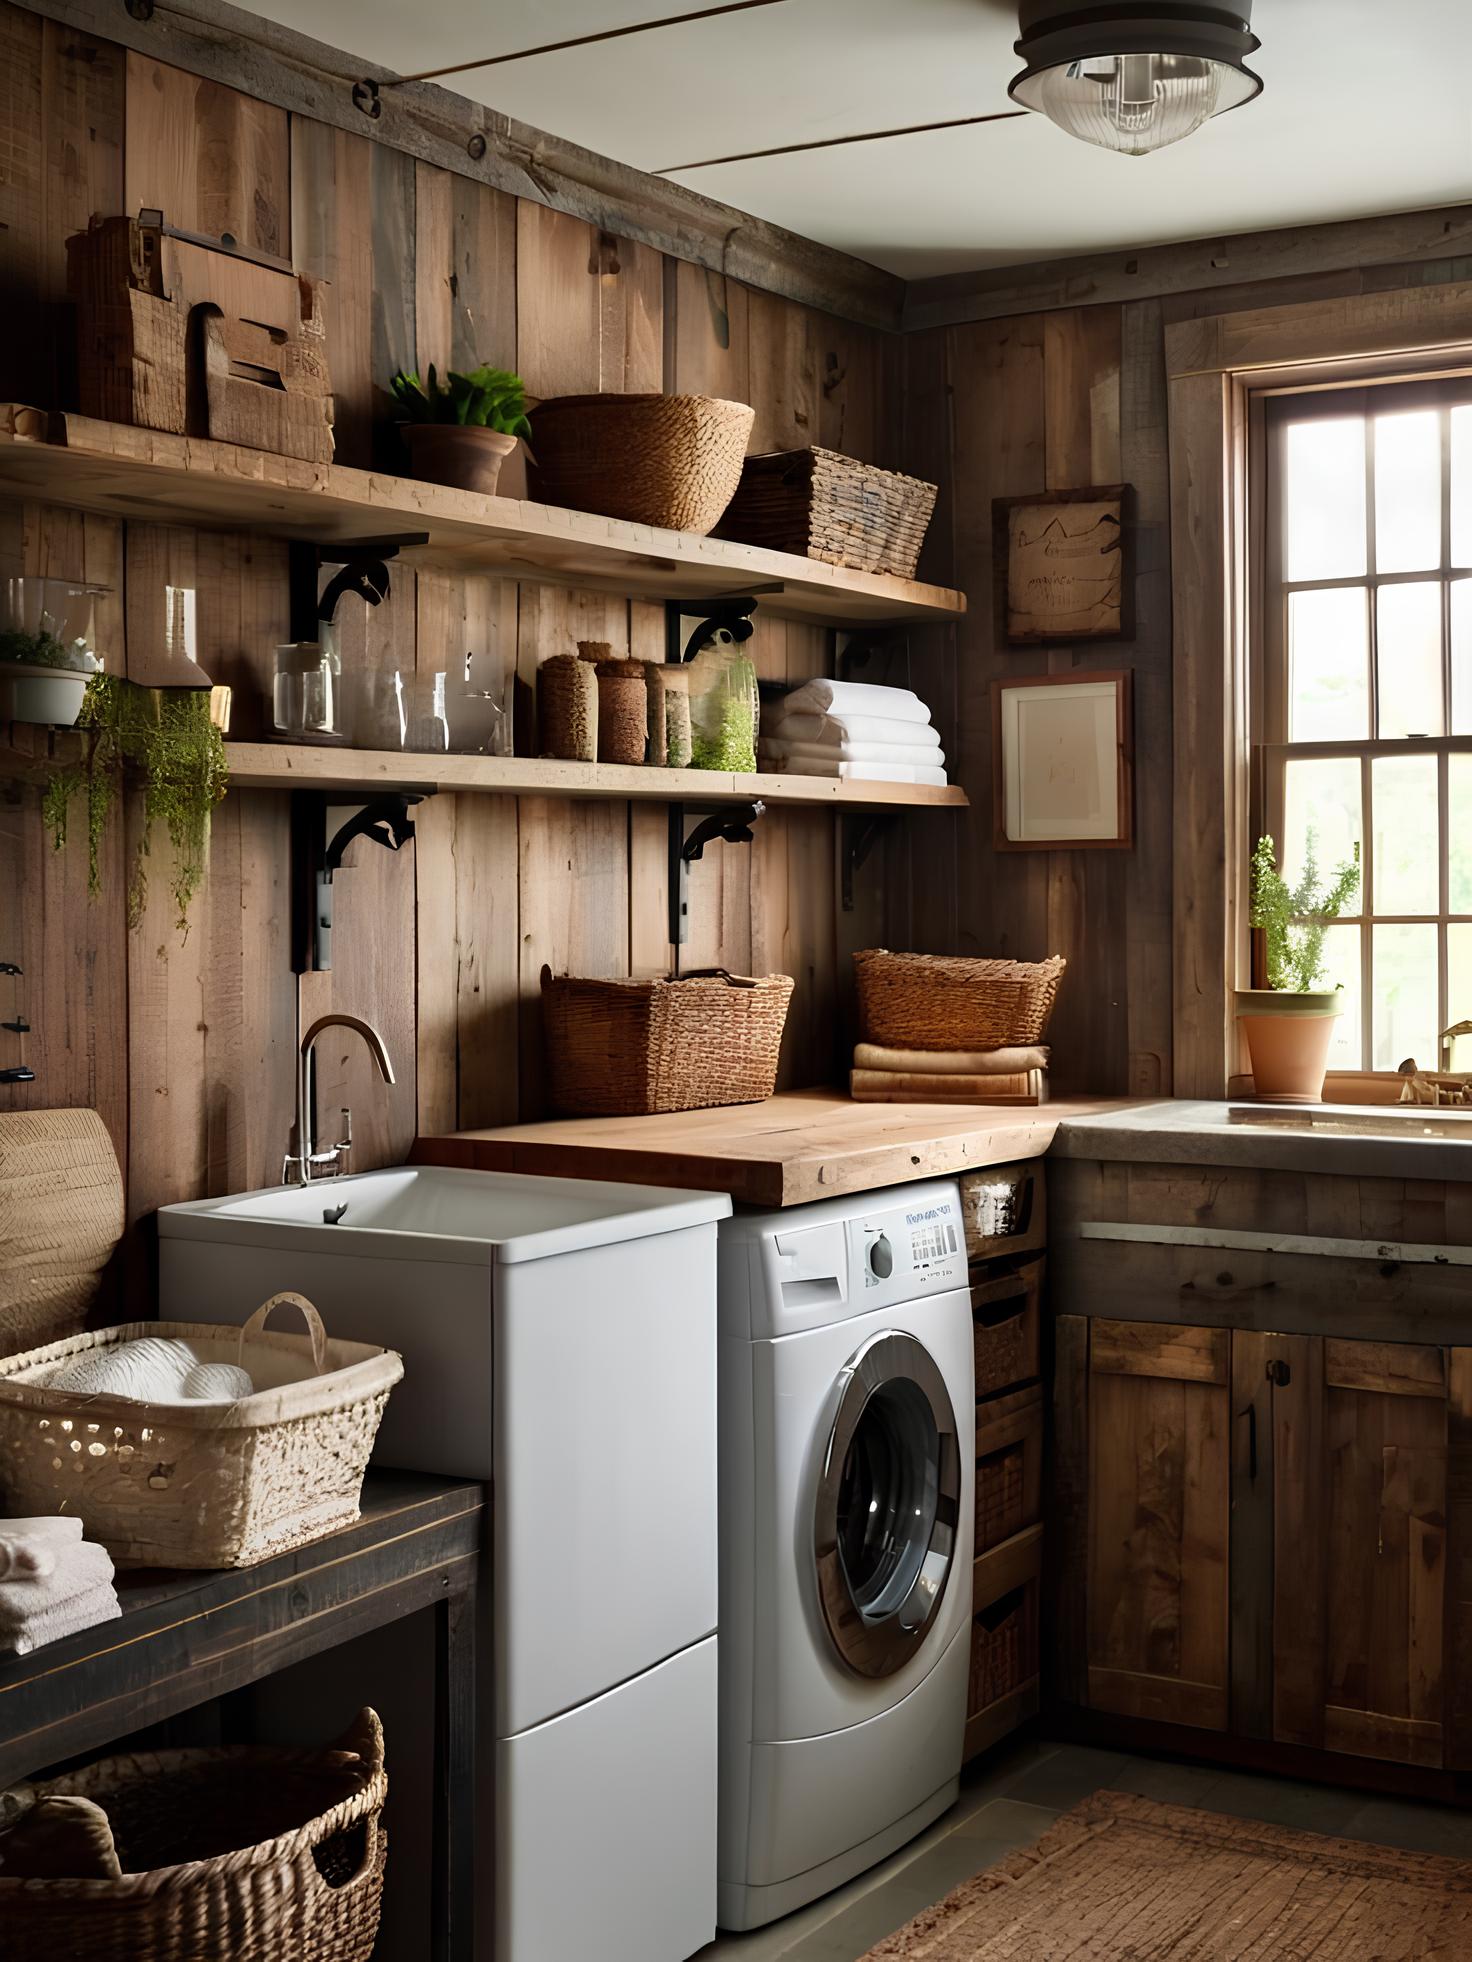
(802,1145)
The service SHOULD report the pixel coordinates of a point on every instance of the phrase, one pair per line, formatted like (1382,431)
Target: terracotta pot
(1288,1037)
(466,458)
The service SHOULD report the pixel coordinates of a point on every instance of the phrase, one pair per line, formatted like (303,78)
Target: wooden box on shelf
(1005,1308)
(1004,1640)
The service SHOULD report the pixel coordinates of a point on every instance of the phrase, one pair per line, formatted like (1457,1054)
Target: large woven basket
(631,1048)
(244,1855)
(199,1484)
(831,507)
(939,1001)
(61,1215)
(667,460)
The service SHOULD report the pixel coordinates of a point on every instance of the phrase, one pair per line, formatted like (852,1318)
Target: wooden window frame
(1220,369)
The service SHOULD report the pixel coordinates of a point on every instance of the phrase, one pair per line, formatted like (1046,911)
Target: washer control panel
(910,1250)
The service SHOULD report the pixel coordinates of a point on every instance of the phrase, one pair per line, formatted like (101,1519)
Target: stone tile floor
(1010,1798)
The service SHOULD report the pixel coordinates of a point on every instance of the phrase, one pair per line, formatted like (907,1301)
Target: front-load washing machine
(847,1465)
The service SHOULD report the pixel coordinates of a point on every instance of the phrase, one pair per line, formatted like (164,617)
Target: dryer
(847,1467)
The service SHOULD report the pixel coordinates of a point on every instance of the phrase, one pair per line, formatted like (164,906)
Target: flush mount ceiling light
(1132,76)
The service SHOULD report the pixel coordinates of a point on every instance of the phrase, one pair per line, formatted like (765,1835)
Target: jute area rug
(1120,1878)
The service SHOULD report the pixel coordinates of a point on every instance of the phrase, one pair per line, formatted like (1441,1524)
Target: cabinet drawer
(1005,1308)
(1005,1210)
(1009,1467)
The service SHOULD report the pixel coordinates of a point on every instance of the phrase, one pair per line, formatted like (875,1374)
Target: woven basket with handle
(228,1855)
(831,507)
(940,1001)
(631,1048)
(199,1484)
(666,460)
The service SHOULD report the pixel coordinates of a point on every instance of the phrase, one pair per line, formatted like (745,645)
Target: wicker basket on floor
(666,460)
(633,1048)
(257,1855)
(940,1001)
(831,507)
(199,1484)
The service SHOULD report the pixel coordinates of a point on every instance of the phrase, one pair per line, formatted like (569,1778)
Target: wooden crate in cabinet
(1006,1308)
(1009,1465)
(1005,1210)
(1004,1640)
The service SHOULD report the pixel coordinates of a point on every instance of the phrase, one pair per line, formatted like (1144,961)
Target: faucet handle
(344,1145)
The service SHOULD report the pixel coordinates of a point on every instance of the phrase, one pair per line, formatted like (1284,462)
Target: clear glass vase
(725,707)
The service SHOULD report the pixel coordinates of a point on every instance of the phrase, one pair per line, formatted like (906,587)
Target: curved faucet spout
(371,1038)
(306,1159)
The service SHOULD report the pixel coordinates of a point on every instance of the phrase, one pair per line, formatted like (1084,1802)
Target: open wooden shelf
(140,474)
(290,766)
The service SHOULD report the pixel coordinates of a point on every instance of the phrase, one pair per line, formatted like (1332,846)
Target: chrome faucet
(307,1163)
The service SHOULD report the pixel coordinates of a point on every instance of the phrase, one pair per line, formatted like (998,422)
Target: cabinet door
(1158,1521)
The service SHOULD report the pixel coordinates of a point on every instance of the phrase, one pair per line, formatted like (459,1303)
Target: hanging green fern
(164,738)
(1293,919)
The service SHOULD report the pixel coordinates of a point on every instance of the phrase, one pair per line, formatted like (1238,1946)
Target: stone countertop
(1357,1141)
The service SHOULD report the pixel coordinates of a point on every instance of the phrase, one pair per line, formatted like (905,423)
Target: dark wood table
(186,1638)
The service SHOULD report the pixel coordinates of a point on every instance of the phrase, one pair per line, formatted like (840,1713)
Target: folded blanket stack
(857,730)
(52,1582)
(948,1076)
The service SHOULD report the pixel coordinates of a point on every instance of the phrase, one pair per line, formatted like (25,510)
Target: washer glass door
(888,1504)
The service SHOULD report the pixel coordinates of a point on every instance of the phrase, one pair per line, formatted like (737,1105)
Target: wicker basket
(831,507)
(938,1001)
(200,1484)
(257,1855)
(666,460)
(631,1048)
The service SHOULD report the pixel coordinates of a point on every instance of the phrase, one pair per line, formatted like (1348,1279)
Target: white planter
(38,694)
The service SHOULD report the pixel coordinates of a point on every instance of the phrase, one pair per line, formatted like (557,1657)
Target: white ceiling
(1366,109)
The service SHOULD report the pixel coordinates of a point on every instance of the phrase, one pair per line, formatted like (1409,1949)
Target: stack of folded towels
(854,729)
(949,1076)
(52,1582)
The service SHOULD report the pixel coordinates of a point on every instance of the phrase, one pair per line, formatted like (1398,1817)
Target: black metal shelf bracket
(387,819)
(731,823)
(364,564)
(18,1025)
(713,616)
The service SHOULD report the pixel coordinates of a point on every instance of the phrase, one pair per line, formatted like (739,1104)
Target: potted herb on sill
(461,432)
(1289,1024)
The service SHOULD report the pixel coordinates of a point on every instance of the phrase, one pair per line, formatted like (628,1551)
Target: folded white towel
(153,1369)
(855,698)
(78,1570)
(802,753)
(832,731)
(31,1546)
(862,772)
(87,1610)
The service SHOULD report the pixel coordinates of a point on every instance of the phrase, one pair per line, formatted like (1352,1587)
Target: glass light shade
(1135,103)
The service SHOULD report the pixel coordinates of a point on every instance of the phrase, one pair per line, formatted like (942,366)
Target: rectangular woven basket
(941,1001)
(831,507)
(634,1048)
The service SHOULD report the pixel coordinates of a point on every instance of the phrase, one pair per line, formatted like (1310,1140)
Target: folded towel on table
(87,1610)
(855,772)
(833,731)
(32,1546)
(928,757)
(855,698)
(79,1569)
(950,1062)
(894,1087)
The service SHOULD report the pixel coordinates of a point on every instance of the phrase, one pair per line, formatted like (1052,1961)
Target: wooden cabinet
(1266,1534)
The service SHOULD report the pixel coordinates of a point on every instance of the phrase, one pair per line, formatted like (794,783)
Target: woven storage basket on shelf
(61,1215)
(199,1484)
(666,460)
(941,1001)
(252,1855)
(632,1048)
(831,507)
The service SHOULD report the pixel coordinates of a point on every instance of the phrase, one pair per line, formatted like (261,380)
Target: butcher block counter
(801,1145)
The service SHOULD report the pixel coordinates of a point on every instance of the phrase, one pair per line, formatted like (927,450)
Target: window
(1364,713)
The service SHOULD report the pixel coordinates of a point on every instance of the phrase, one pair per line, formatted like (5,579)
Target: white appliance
(847,1441)
(559,1340)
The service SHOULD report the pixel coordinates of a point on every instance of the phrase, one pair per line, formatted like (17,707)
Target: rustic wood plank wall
(187,1048)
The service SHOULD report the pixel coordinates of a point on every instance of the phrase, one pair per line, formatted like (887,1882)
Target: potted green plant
(1289,1024)
(461,431)
(47,649)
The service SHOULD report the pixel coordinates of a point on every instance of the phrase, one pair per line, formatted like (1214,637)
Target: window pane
(1462,657)
(1408,492)
(1326,499)
(1459,995)
(1409,627)
(1462,486)
(1405,993)
(1342,970)
(1328,666)
(1459,835)
(1322,795)
(1403,798)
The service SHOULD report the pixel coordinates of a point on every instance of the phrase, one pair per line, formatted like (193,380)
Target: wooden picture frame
(1040,547)
(1091,733)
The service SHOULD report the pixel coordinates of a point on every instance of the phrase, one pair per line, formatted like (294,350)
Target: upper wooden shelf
(140,474)
(290,766)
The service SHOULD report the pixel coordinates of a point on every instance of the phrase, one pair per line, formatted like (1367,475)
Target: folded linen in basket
(950,1062)
(87,1610)
(30,1547)
(152,1369)
(855,698)
(833,731)
(79,1569)
(928,757)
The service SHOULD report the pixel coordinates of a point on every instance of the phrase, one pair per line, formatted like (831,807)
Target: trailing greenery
(43,650)
(1293,918)
(486,398)
(164,738)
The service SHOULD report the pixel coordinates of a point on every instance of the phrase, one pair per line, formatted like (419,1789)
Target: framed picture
(1063,765)
(1061,566)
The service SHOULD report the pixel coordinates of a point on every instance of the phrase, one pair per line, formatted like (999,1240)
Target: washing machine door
(888,1507)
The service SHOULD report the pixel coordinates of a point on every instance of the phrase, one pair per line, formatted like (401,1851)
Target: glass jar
(426,723)
(725,707)
(479,701)
(306,694)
